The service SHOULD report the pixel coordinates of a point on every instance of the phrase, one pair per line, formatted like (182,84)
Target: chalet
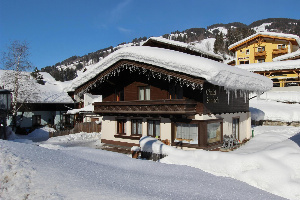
(170,95)
(264,47)
(37,104)
(269,47)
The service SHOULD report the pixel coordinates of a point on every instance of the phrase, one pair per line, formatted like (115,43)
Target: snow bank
(32,172)
(270,161)
(231,78)
(282,96)
(92,140)
(274,111)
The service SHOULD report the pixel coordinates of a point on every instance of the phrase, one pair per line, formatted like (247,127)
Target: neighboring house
(169,95)
(38,104)
(264,47)
(270,47)
(86,113)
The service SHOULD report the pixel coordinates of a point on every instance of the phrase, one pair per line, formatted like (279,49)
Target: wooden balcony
(260,53)
(280,51)
(153,107)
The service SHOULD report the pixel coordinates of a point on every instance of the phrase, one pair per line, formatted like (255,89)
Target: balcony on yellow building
(260,53)
(280,51)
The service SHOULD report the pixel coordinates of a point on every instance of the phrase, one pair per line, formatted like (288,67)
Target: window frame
(136,122)
(238,126)
(36,120)
(121,123)
(247,51)
(261,49)
(281,46)
(154,127)
(145,97)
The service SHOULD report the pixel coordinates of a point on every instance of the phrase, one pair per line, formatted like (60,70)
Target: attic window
(247,51)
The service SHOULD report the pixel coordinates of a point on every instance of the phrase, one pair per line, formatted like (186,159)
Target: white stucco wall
(245,123)
(109,126)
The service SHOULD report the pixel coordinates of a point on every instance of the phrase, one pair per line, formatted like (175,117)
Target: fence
(88,127)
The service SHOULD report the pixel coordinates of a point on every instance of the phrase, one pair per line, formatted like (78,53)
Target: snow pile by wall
(231,78)
(274,111)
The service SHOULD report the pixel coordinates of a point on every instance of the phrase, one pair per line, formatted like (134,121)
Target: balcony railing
(280,51)
(160,107)
(260,53)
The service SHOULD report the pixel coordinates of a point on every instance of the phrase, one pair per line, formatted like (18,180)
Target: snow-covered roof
(89,108)
(52,92)
(232,78)
(273,34)
(287,56)
(268,66)
(191,46)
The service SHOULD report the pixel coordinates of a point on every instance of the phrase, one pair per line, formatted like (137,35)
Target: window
(120,95)
(121,126)
(36,120)
(247,51)
(213,132)
(261,60)
(154,128)
(235,127)
(260,49)
(187,133)
(244,62)
(175,92)
(136,127)
(281,46)
(144,93)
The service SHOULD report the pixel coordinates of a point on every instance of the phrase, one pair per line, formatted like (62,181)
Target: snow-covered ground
(61,168)
(281,106)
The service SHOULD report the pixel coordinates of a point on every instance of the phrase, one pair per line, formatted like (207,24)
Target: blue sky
(59,29)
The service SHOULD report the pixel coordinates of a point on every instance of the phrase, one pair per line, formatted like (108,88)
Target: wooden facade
(174,96)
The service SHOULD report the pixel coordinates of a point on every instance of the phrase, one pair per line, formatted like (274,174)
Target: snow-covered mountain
(76,66)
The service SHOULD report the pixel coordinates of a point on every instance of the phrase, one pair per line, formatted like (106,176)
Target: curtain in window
(139,127)
(147,94)
(157,128)
(141,93)
(187,131)
(150,127)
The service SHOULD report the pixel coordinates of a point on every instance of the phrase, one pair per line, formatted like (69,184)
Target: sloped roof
(51,92)
(288,56)
(220,74)
(269,66)
(191,46)
(266,34)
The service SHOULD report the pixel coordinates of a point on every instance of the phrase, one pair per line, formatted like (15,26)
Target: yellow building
(269,47)
(264,47)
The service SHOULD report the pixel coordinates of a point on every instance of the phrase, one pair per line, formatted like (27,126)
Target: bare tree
(16,63)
